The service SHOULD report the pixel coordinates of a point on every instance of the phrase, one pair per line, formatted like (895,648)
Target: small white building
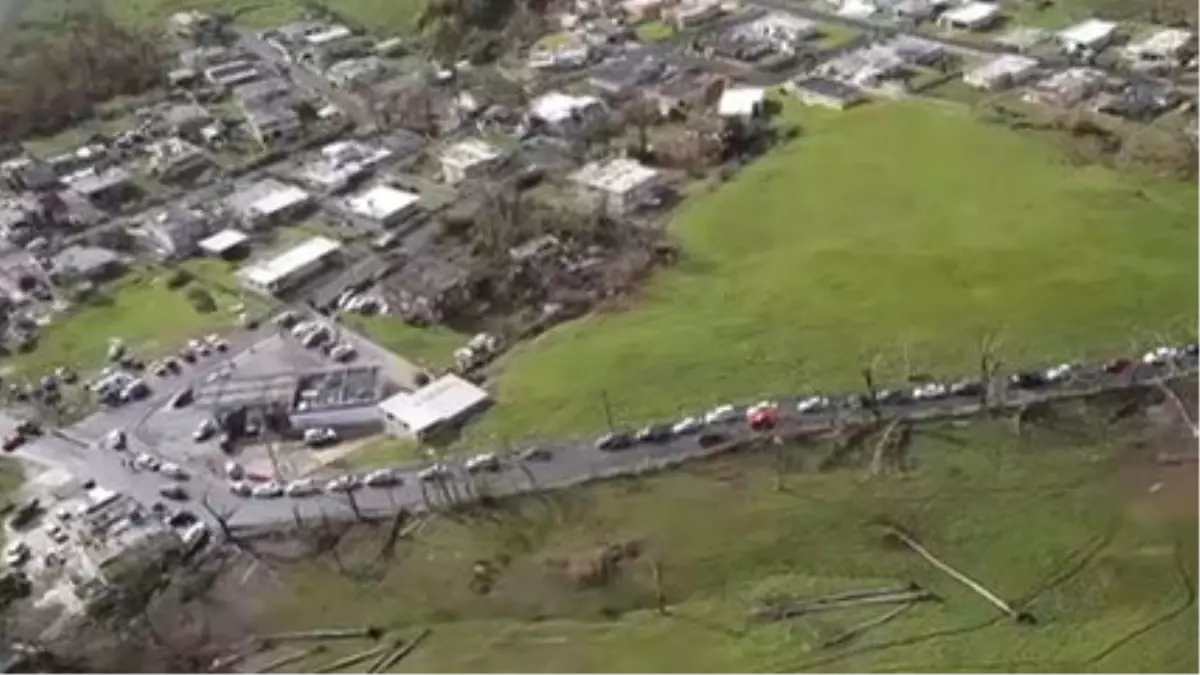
(619,185)
(224,243)
(691,13)
(470,158)
(383,205)
(566,114)
(971,16)
(742,102)
(1169,46)
(1002,72)
(1089,36)
(291,267)
(447,401)
(267,202)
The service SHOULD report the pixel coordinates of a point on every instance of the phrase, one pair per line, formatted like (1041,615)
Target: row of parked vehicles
(316,335)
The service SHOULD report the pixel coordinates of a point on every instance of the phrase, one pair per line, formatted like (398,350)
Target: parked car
(342,353)
(234,471)
(966,388)
(654,433)
(285,319)
(930,391)
(433,473)
(1117,365)
(1190,350)
(483,462)
(812,404)
(240,488)
(301,488)
(720,415)
(535,454)
(147,462)
(12,441)
(194,536)
(382,478)
(172,470)
(56,533)
(687,425)
(614,441)
(16,553)
(763,415)
(268,490)
(1058,373)
(183,399)
(346,483)
(1027,380)
(204,430)
(315,438)
(182,518)
(115,440)
(174,492)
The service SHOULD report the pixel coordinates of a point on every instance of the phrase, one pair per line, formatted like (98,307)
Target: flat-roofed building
(618,186)
(1169,46)
(382,206)
(227,244)
(971,16)
(1092,35)
(268,202)
(1002,72)
(445,402)
(290,268)
(566,114)
(471,158)
(826,93)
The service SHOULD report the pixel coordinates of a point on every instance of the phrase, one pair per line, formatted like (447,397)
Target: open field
(1071,523)
(654,31)
(381,16)
(906,231)
(153,14)
(139,309)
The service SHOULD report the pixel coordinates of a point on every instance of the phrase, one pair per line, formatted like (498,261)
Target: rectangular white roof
(741,101)
(1162,43)
(271,271)
(555,106)
(972,13)
(445,399)
(381,202)
(223,241)
(616,176)
(1088,33)
(470,152)
(330,34)
(279,200)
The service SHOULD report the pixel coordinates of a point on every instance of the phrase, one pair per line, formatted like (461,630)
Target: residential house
(1169,48)
(106,188)
(742,103)
(470,158)
(566,114)
(1088,37)
(86,263)
(176,232)
(618,186)
(692,13)
(356,72)
(637,11)
(261,93)
(1002,72)
(970,16)
(274,125)
(292,267)
(1141,101)
(826,93)
(782,31)
(382,207)
(267,202)
(621,76)
(1067,88)
(688,90)
(443,403)
(228,244)
(174,159)
(186,119)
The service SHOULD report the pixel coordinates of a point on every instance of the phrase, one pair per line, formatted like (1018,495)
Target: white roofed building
(566,114)
(268,202)
(447,401)
(742,102)
(1002,72)
(1170,46)
(224,244)
(291,267)
(470,158)
(971,16)
(1089,36)
(619,185)
(382,206)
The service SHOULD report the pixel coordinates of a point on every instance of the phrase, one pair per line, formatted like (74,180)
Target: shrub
(202,300)
(179,279)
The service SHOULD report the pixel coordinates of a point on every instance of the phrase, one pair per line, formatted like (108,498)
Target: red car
(763,416)
(13,441)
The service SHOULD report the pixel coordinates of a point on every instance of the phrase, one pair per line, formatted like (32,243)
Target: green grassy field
(654,31)
(906,231)
(139,309)
(1056,523)
(382,16)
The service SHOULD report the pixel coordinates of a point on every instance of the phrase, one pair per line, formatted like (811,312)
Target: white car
(382,478)
(234,471)
(146,462)
(342,352)
(812,404)
(301,488)
(204,431)
(172,470)
(929,392)
(16,553)
(115,440)
(483,462)
(194,536)
(345,483)
(432,473)
(1058,373)
(302,328)
(240,488)
(1159,355)
(720,415)
(688,425)
(269,490)
(318,437)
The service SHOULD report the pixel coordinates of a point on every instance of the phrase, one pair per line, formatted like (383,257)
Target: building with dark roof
(826,93)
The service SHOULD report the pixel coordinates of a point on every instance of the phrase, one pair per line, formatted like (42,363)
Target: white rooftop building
(446,401)
(564,113)
(971,16)
(328,35)
(340,163)
(224,242)
(618,185)
(1002,72)
(470,158)
(1091,35)
(267,201)
(383,205)
(1169,45)
(289,268)
(742,102)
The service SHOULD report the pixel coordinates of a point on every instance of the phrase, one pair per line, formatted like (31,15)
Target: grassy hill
(903,230)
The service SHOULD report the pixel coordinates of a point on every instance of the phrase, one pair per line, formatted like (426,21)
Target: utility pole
(608,418)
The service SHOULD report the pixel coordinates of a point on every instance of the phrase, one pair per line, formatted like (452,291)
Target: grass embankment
(431,348)
(1046,523)
(907,230)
